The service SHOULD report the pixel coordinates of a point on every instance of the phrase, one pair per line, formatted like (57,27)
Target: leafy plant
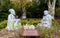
(44,32)
(3,24)
(50,32)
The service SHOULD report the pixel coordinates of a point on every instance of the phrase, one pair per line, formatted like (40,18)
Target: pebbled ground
(9,34)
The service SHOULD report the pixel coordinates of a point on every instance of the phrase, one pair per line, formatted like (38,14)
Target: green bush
(29,21)
(44,32)
(57,14)
(24,21)
(35,11)
(3,16)
(3,24)
(49,33)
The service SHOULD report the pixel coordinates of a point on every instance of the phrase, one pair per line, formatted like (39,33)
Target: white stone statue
(13,22)
(47,20)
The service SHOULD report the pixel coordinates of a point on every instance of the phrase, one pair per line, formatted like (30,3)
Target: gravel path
(9,34)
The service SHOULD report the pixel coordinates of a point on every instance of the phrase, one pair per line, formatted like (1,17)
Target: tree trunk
(24,13)
(29,0)
(51,8)
(23,10)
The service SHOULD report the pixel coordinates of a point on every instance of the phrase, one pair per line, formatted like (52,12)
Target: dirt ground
(9,34)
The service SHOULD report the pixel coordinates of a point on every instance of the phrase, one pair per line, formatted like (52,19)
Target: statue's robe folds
(46,21)
(13,23)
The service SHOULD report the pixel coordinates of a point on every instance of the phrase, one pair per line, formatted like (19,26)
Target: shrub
(34,11)
(29,21)
(57,14)
(3,16)
(49,33)
(24,21)
(3,24)
(44,32)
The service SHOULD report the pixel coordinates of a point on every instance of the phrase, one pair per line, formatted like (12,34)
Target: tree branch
(53,3)
(49,4)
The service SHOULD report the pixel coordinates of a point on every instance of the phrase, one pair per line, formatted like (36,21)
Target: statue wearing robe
(12,21)
(47,20)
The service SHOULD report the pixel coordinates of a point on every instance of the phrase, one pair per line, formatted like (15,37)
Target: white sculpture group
(14,23)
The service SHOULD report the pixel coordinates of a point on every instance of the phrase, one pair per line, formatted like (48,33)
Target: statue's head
(12,11)
(46,12)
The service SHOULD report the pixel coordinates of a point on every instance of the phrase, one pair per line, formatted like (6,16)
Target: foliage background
(33,9)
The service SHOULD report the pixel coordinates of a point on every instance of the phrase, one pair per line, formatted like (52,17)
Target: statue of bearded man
(12,21)
(47,20)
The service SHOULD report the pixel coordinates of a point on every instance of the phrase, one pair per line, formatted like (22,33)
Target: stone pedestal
(29,33)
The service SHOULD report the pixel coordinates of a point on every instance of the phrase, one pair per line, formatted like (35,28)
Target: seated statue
(47,20)
(13,22)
